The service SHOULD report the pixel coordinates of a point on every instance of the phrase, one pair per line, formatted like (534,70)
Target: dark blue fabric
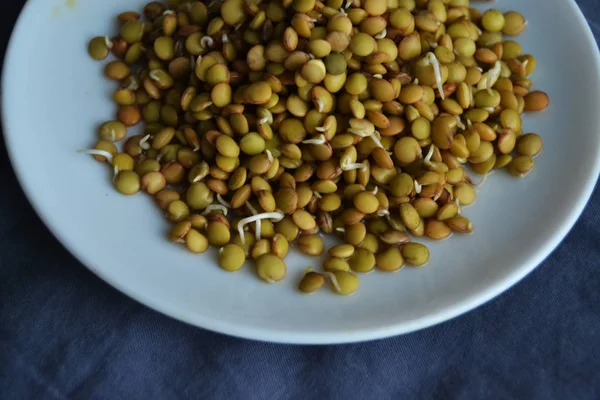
(64,334)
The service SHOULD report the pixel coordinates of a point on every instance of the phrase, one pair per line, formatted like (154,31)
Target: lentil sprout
(267,124)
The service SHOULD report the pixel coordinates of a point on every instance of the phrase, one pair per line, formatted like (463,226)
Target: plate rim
(469,303)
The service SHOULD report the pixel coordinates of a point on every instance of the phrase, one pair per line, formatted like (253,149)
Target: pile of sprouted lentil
(270,122)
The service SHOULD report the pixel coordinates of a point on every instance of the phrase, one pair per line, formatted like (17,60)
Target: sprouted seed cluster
(270,122)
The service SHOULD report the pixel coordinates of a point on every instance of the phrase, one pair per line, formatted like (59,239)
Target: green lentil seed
(415,254)
(311,282)
(270,268)
(231,257)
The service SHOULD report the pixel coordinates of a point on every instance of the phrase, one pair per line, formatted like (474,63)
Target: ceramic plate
(54,97)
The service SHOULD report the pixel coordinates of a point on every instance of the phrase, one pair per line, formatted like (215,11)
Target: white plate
(54,96)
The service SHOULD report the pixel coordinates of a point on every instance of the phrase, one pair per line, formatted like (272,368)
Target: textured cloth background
(64,334)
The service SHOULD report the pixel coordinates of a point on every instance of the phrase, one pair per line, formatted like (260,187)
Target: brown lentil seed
(311,282)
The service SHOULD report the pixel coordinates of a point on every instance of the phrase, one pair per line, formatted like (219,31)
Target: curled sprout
(461,160)
(488,109)
(320,105)
(334,281)
(108,42)
(318,195)
(493,75)
(418,187)
(215,207)
(206,41)
(270,115)
(480,183)
(221,200)
(381,34)
(431,59)
(311,56)
(198,178)
(348,4)
(342,230)
(115,170)
(321,128)
(258,226)
(416,81)
(320,139)
(348,166)
(427,160)
(277,216)
(378,76)
(374,192)
(153,75)
(267,116)
(439,194)
(168,12)
(133,85)
(383,212)
(460,124)
(97,152)
(269,155)
(469,123)
(342,12)
(144,142)
(377,141)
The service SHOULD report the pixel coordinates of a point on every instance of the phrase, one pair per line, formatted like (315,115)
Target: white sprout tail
(97,152)
(431,59)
